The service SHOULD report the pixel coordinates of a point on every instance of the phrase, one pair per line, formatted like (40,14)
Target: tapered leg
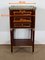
(11,48)
(12,40)
(33,48)
(31,34)
(33,42)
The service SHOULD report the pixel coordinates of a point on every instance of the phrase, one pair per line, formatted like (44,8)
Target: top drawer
(22,12)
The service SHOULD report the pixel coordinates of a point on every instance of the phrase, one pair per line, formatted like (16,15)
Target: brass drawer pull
(20,11)
(14,12)
(30,12)
(14,19)
(22,24)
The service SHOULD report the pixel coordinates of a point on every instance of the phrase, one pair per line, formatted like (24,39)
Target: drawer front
(22,12)
(22,19)
(22,25)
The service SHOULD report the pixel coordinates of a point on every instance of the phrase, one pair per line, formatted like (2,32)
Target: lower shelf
(22,42)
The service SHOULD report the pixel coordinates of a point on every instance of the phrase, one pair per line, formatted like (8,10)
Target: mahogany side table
(22,17)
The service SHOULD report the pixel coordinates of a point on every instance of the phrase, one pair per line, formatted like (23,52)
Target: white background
(39,24)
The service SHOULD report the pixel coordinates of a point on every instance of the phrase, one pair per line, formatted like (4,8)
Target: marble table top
(22,7)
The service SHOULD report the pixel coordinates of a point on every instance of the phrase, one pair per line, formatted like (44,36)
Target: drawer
(22,24)
(22,12)
(22,21)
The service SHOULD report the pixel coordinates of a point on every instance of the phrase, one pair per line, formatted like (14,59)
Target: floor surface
(22,53)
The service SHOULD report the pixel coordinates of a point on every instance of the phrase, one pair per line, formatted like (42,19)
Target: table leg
(33,42)
(12,40)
